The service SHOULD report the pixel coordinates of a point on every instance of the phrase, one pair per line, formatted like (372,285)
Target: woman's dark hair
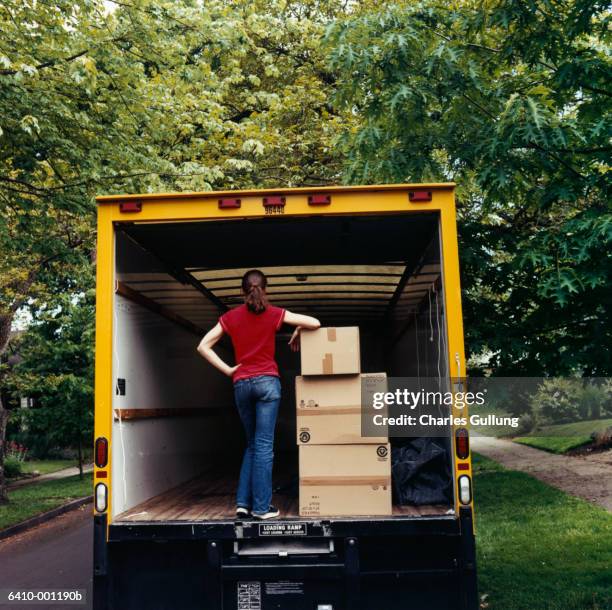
(254,287)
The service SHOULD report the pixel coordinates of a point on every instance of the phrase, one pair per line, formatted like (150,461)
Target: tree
(145,97)
(512,101)
(56,370)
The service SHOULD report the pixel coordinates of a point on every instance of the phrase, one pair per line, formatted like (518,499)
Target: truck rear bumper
(338,564)
(327,528)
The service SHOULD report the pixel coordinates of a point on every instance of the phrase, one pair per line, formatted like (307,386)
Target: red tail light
(130,206)
(229,203)
(274,201)
(417,196)
(462,443)
(101,451)
(319,199)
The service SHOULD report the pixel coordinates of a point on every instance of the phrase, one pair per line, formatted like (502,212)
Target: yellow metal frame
(184,207)
(103,378)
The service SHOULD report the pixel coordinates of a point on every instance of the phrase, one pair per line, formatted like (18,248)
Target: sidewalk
(581,476)
(58,474)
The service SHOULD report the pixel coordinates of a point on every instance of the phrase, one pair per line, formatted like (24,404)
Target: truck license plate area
(282,595)
(248,595)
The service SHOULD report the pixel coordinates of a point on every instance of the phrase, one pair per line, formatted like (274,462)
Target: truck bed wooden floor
(211,496)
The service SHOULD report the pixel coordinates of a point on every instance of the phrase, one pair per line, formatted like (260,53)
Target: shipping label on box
(330,351)
(374,416)
(329,409)
(345,480)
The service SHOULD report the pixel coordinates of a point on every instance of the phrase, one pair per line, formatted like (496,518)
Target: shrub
(16,451)
(527,423)
(592,401)
(602,437)
(12,467)
(606,405)
(567,400)
(38,444)
(558,400)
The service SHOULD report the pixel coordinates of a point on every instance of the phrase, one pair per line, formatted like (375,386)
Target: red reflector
(462,443)
(229,203)
(419,195)
(274,200)
(131,206)
(101,474)
(463,466)
(319,199)
(101,452)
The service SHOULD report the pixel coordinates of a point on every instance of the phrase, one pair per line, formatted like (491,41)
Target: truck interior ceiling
(177,439)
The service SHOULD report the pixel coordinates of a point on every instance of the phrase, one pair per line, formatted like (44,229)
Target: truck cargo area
(177,440)
(169,441)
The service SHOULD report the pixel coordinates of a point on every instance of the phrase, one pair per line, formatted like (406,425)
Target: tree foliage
(139,96)
(509,99)
(150,96)
(56,371)
(512,101)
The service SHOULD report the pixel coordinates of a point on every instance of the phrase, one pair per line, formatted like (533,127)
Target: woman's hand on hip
(231,370)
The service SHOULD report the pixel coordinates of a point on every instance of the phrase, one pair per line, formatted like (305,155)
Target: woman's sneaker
(241,511)
(270,514)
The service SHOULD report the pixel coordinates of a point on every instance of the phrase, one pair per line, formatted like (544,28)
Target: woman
(257,392)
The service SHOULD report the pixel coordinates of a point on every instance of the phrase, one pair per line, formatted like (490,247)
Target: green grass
(538,548)
(560,438)
(554,444)
(30,500)
(46,466)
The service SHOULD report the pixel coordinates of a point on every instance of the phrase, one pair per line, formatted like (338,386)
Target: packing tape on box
(328,364)
(335,480)
(331,334)
(328,411)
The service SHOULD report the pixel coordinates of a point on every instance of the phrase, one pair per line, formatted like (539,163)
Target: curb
(43,517)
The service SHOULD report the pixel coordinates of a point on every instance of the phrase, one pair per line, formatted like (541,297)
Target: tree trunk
(3,419)
(80,457)
(6,321)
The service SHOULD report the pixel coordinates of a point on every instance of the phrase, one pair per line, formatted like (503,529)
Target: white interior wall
(162,370)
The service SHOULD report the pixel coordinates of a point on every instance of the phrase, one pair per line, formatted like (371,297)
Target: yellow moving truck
(168,440)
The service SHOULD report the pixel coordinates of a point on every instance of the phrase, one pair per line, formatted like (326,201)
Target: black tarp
(421,472)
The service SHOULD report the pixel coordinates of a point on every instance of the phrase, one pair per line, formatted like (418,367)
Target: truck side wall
(161,370)
(421,350)
(419,345)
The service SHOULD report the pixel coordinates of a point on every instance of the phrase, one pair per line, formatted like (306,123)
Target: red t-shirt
(253,336)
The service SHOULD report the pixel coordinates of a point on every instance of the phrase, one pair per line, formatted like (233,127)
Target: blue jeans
(257,399)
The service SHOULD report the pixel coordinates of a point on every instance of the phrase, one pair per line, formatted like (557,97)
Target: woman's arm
(205,349)
(299,321)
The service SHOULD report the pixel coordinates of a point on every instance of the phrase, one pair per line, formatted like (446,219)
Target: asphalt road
(54,555)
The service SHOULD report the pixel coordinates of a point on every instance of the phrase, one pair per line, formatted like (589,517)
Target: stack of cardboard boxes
(341,472)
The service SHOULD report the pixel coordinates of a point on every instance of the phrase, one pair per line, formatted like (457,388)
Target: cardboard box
(330,351)
(345,480)
(328,409)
